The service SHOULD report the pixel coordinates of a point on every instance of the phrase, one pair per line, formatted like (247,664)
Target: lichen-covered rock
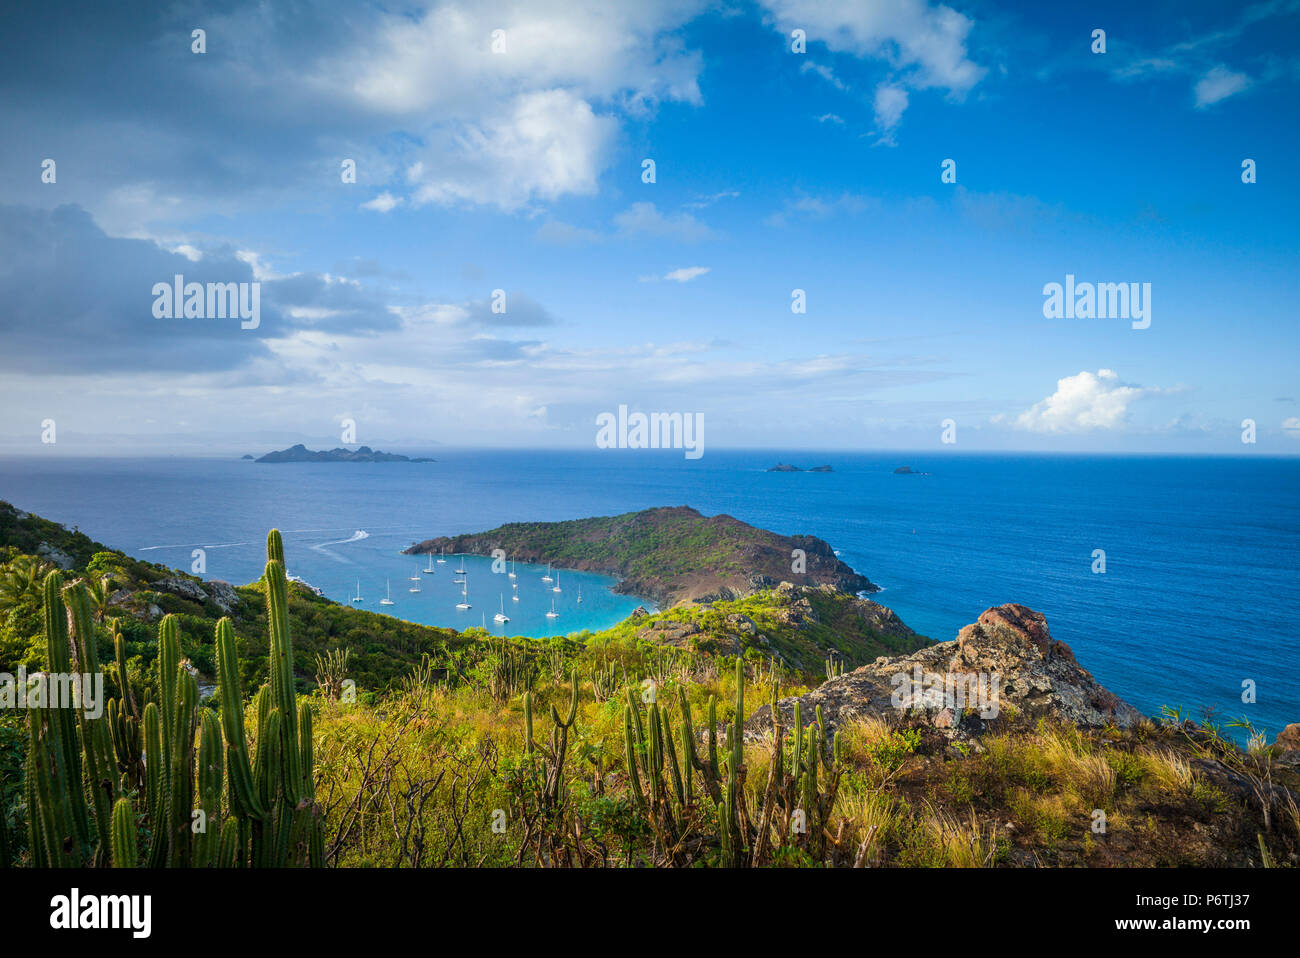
(1004,666)
(185,588)
(50,554)
(223,594)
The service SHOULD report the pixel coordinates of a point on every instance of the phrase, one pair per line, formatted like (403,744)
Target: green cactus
(125,854)
(83,764)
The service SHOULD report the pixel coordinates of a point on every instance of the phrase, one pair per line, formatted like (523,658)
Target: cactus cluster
(662,768)
(834,665)
(95,785)
(511,671)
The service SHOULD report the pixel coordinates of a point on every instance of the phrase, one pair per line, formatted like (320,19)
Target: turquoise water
(1198,596)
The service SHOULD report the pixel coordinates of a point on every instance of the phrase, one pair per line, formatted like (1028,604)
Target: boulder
(1288,740)
(223,594)
(185,588)
(57,556)
(1005,665)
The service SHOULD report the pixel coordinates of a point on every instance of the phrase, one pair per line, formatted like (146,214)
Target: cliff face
(1005,668)
(670,554)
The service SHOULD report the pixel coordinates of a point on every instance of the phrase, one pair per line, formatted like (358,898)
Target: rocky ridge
(1005,667)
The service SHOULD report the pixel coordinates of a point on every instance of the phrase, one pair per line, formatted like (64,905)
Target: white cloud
(1219,84)
(927,43)
(645,219)
(686,273)
(261,270)
(1083,402)
(825,72)
(548,144)
(383,203)
(890,102)
(805,206)
(534,122)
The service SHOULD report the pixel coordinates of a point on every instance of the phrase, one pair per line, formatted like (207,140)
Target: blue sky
(776,170)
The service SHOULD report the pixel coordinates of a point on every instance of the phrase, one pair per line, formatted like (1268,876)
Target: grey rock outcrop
(1005,665)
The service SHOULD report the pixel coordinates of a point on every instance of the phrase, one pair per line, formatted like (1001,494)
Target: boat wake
(324,547)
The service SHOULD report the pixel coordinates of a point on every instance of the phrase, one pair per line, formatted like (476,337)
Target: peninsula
(670,554)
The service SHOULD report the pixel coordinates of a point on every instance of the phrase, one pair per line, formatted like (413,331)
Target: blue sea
(1197,600)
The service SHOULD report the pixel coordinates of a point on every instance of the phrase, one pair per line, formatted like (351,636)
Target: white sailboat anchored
(415,584)
(501,616)
(556,587)
(416,577)
(388,600)
(547,577)
(552,614)
(431,570)
(461,570)
(464,597)
(357,597)
(579,595)
(513,567)
(515,597)
(442,556)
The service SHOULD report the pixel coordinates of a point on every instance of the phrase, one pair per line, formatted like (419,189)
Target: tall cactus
(124,843)
(83,764)
(280,662)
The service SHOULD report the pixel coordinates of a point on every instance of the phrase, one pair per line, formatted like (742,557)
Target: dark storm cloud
(76,300)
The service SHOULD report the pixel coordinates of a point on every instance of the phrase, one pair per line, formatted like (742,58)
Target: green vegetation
(669,554)
(85,778)
(628,748)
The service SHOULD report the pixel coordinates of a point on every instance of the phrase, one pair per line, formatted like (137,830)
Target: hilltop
(669,554)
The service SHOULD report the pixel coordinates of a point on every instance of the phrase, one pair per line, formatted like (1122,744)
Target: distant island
(671,554)
(301,453)
(786,467)
(908,471)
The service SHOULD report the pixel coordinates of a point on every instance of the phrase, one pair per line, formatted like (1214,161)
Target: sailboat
(501,616)
(513,566)
(461,570)
(357,597)
(552,614)
(431,570)
(442,556)
(515,586)
(579,595)
(547,577)
(389,599)
(464,597)
(556,587)
(416,586)
(416,577)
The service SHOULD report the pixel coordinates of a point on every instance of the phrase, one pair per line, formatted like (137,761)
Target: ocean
(1194,608)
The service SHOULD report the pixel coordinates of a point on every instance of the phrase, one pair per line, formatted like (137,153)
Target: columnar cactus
(82,767)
